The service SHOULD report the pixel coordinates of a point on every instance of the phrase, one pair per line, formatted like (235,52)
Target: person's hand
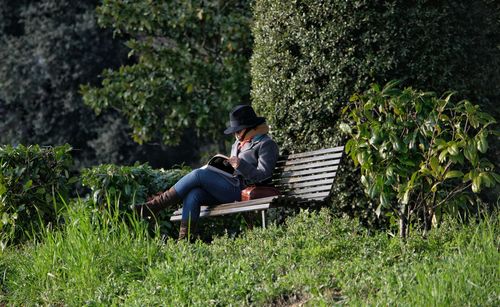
(234,161)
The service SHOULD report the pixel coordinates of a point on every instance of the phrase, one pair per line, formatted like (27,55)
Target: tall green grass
(92,259)
(99,259)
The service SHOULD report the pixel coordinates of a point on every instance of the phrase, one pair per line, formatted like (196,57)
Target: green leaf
(453,149)
(453,174)
(470,153)
(495,176)
(378,210)
(383,200)
(482,143)
(442,156)
(486,179)
(3,189)
(73,180)
(476,184)
(389,172)
(28,185)
(350,145)
(364,181)
(5,218)
(434,164)
(372,190)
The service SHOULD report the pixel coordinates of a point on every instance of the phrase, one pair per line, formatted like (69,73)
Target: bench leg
(263,218)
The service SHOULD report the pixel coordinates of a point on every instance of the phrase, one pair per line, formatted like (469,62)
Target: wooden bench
(302,177)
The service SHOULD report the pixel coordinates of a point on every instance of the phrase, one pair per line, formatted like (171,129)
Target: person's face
(239,134)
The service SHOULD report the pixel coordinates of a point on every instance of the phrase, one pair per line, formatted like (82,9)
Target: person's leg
(202,187)
(152,207)
(191,211)
(193,201)
(213,183)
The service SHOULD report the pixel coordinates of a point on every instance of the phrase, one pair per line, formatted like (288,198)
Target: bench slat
(288,174)
(315,152)
(221,211)
(315,196)
(330,175)
(308,183)
(309,159)
(309,165)
(309,189)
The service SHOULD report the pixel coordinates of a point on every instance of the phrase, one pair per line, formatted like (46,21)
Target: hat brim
(259,121)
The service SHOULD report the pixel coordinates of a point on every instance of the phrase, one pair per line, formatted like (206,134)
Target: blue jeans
(204,187)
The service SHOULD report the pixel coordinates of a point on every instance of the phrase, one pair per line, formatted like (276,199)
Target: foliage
(32,181)
(121,187)
(130,184)
(316,260)
(418,153)
(47,49)
(192,66)
(310,56)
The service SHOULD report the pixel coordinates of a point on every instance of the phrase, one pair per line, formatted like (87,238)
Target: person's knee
(202,173)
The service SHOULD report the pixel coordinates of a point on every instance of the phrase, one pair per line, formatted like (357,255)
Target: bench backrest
(308,175)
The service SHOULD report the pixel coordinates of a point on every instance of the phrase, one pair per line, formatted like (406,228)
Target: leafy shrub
(310,56)
(191,62)
(418,153)
(114,187)
(130,184)
(32,181)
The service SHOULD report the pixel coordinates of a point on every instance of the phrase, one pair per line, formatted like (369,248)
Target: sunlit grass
(102,258)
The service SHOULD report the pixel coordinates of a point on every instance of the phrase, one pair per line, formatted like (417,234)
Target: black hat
(241,117)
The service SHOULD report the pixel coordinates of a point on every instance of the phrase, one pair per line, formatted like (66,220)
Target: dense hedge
(33,182)
(310,56)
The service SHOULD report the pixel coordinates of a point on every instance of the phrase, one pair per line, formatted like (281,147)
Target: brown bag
(254,192)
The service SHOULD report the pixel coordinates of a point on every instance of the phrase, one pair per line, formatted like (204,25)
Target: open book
(219,163)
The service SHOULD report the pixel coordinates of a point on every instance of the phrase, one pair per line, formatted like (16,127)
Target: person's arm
(268,155)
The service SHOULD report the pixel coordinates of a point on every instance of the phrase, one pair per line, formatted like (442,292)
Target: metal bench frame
(301,178)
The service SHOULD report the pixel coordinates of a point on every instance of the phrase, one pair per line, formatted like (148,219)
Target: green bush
(419,154)
(310,56)
(130,184)
(33,180)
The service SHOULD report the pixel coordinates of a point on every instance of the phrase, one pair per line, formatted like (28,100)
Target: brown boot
(187,230)
(151,208)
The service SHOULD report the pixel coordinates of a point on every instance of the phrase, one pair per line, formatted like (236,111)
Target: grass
(99,259)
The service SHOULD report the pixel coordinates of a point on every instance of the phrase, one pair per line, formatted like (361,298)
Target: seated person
(253,156)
